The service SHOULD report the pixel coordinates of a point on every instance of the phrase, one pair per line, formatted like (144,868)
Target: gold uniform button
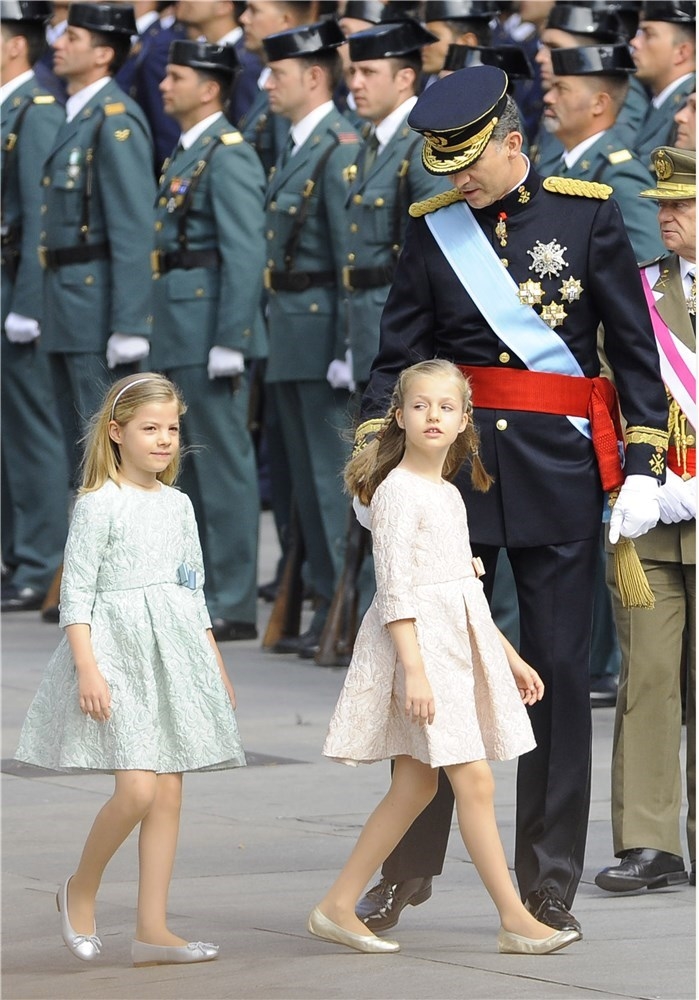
(379,202)
(270,263)
(501,425)
(357,199)
(46,182)
(270,234)
(351,257)
(354,228)
(162,202)
(292,209)
(504,358)
(199,292)
(691,440)
(313,307)
(158,226)
(44,209)
(90,279)
(247,333)
(273,206)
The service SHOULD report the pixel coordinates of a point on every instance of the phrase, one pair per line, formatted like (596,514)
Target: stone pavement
(259,845)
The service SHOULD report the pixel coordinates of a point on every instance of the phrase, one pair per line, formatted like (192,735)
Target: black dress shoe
(228,631)
(297,644)
(268,591)
(381,907)
(603,691)
(22,599)
(548,907)
(643,868)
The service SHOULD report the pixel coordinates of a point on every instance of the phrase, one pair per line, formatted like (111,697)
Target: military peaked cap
(676,170)
(396,38)
(510,58)
(304,40)
(110,18)
(460,10)
(364,10)
(679,12)
(29,11)
(587,21)
(589,60)
(204,56)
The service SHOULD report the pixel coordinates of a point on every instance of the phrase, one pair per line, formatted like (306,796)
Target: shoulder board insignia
(231,138)
(44,99)
(346,138)
(118,108)
(581,189)
(620,156)
(420,208)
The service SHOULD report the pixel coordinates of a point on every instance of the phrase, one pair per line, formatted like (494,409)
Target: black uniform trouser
(555,591)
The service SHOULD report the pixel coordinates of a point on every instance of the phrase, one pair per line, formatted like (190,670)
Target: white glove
(125,348)
(225,362)
(636,510)
(21,329)
(339,373)
(677,499)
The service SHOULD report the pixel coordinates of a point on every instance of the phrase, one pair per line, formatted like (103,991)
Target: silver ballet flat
(322,927)
(86,947)
(162,954)
(516,944)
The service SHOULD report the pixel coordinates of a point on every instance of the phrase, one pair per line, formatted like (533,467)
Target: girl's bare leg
(133,796)
(473,791)
(413,786)
(157,844)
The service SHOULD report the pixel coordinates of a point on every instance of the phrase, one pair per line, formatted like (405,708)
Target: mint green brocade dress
(170,710)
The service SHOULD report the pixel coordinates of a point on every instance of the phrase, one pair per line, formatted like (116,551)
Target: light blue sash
(470,255)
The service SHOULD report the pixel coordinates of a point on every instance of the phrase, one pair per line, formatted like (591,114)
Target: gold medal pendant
(501,229)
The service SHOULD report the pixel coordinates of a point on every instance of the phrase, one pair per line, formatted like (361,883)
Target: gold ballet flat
(516,944)
(322,927)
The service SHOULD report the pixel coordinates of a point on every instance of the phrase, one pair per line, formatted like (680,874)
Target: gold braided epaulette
(441,200)
(367,430)
(582,189)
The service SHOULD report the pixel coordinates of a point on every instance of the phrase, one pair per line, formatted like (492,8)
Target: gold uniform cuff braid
(657,439)
(365,431)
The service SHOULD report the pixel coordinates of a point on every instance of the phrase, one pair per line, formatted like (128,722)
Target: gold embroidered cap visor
(457,115)
(676,170)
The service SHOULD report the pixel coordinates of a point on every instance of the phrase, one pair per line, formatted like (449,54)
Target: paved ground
(259,845)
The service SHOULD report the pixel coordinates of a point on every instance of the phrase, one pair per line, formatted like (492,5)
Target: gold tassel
(631,580)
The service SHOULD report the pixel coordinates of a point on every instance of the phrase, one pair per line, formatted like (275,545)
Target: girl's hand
(531,686)
(419,702)
(94,695)
(222,667)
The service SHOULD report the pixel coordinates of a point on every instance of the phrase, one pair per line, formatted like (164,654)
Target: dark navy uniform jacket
(547,488)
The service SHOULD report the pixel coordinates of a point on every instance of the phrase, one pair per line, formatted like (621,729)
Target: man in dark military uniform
(388,175)
(209,260)
(664,50)
(305,221)
(646,771)
(581,107)
(99,190)
(522,324)
(34,468)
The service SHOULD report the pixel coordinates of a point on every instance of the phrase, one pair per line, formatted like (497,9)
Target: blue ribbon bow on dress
(186,576)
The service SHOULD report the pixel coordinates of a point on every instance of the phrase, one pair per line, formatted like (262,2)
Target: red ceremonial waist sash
(565,395)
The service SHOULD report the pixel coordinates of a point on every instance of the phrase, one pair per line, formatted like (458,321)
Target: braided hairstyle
(368,467)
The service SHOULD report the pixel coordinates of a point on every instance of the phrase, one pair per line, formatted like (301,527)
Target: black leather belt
(83,254)
(297,281)
(184,260)
(354,278)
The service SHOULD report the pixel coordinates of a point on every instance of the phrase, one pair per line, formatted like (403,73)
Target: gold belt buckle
(155,263)
(268,279)
(347,277)
(42,256)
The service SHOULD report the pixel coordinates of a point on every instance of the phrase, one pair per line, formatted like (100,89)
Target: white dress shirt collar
(76,102)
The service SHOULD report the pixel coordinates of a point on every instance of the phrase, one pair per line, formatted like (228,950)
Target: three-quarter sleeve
(394,526)
(88,538)
(194,558)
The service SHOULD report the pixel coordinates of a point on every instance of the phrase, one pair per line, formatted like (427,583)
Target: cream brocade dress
(170,709)
(423,564)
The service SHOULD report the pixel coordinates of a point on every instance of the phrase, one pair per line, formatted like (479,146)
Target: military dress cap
(593,60)
(25,10)
(399,10)
(460,10)
(364,10)
(457,115)
(394,38)
(676,170)
(110,18)
(622,13)
(510,58)
(583,20)
(304,40)
(204,56)
(679,12)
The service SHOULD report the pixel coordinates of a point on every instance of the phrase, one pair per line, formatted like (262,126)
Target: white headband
(121,392)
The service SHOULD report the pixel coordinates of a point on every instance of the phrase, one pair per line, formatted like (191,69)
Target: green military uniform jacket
(219,208)
(29,120)
(303,324)
(610,161)
(658,126)
(377,213)
(265,131)
(86,302)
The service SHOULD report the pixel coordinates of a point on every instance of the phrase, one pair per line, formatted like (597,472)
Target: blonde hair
(369,467)
(102,458)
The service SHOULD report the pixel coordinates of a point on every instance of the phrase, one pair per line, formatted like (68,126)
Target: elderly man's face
(678,226)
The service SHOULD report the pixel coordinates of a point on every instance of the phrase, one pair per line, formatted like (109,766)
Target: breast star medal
(530,293)
(570,290)
(547,259)
(692,297)
(553,315)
